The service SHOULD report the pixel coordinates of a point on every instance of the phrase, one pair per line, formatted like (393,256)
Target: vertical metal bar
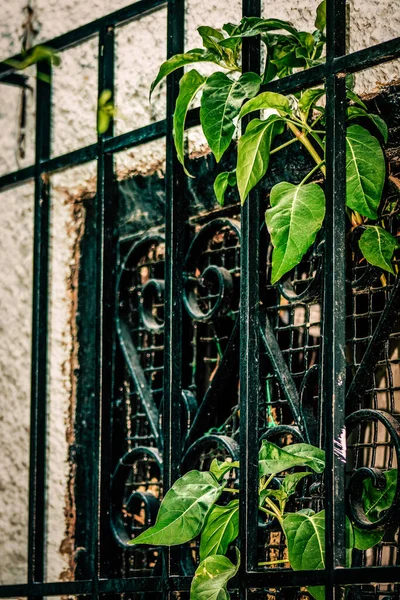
(104,237)
(37,467)
(249,371)
(107,197)
(175,218)
(333,384)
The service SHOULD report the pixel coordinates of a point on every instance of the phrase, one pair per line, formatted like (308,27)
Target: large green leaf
(377,500)
(181,60)
(254,151)
(219,469)
(273,459)
(266,100)
(220,104)
(377,246)
(183,511)
(293,221)
(305,536)
(366,170)
(221,528)
(189,85)
(356,112)
(211,578)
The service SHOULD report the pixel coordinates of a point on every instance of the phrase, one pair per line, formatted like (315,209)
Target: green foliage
(190,509)
(220,530)
(212,576)
(189,85)
(273,459)
(294,219)
(376,500)
(220,105)
(254,151)
(297,211)
(305,536)
(366,171)
(184,510)
(219,469)
(105,111)
(377,246)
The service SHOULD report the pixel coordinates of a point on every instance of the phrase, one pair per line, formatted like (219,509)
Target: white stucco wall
(140,50)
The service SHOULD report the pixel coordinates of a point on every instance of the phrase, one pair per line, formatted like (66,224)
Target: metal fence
(248,356)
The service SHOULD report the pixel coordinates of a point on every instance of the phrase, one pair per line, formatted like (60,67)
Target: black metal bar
(333,373)
(108,204)
(249,368)
(104,304)
(175,220)
(38,428)
(271,578)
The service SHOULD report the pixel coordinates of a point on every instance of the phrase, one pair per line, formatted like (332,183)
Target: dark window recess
(187,353)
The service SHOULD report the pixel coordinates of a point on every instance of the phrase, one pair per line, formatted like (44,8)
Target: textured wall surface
(140,48)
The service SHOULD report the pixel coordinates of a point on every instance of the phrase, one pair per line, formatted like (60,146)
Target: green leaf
(211,578)
(287,489)
(377,246)
(355,112)
(221,528)
(320,19)
(183,511)
(273,459)
(305,537)
(220,104)
(354,98)
(377,500)
(221,183)
(105,111)
(219,469)
(308,99)
(189,85)
(181,60)
(253,152)
(293,221)
(364,539)
(266,100)
(365,171)
(251,26)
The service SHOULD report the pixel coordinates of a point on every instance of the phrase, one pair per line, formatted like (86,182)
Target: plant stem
(273,562)
(231,490)
(307,144)
(312,172)
(267,512)
(284,145)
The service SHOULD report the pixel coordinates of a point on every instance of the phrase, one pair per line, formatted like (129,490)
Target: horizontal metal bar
(143,135)
(256,580)
(17,177)
(368,57)
(356,61)
(83,33)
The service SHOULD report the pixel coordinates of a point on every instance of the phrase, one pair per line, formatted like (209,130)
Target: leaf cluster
(191,509)
(229,98)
